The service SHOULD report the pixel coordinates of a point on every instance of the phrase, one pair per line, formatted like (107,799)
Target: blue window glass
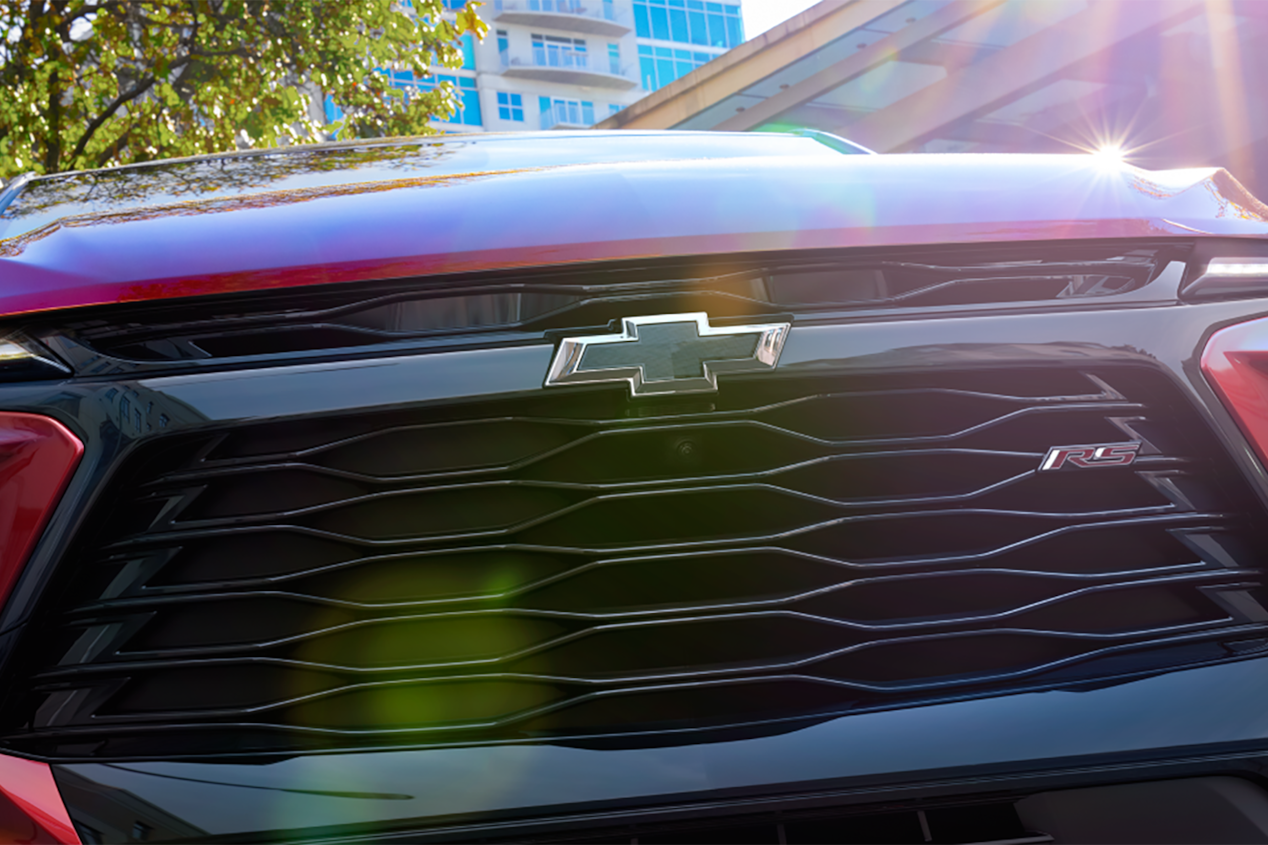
(659,66)
(510,106)
(642,24)
(664,70)
(734,31)
(717,30)
(468,52)
(455,4)
(683,64)
(401,80)
(333,112)
(503,42)
(699,29)
(647,71)
(543,104)
(554,51)
(470,114)
(689,22)
(660,23)
(567,112)
(614,59)
(678,25)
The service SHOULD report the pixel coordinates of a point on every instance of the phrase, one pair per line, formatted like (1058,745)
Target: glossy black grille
(577,564)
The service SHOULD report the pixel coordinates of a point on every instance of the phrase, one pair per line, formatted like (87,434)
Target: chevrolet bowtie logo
(668,353)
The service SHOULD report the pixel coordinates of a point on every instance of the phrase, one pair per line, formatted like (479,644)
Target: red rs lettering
(1089,457)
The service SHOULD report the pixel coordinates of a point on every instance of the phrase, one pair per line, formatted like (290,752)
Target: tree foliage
(92,83)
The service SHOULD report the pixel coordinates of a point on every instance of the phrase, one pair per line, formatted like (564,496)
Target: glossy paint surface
(1234,361)
(1025,732)
(30,789)
(37,457)
(668,198)
(257,174)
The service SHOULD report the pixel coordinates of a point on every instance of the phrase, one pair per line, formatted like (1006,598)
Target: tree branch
(143,85)
(111,151)
(53,148)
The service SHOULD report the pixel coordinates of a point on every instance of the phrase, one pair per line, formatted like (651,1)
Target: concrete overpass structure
(1174,83)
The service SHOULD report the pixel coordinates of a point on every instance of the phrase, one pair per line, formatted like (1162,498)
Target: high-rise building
(550,64)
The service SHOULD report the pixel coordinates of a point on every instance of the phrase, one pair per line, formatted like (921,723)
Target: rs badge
(1089,457)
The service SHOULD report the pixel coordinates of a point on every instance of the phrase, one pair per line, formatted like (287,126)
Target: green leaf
(198,77)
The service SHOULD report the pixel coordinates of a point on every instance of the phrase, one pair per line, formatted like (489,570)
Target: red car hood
(342,225)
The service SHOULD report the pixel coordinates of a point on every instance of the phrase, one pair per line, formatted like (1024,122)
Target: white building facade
(565,64)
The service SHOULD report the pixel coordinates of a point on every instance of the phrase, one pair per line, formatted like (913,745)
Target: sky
(761,15)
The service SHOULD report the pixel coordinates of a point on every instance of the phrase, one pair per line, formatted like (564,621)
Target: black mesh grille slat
(792,549)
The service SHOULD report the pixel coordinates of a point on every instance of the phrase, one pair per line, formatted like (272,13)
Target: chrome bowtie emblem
(668,353)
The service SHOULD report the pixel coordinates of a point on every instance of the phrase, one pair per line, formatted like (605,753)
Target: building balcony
(568,115)
(593,17)
(570,67)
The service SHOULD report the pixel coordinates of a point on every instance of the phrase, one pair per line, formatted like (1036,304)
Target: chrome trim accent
(1229,277)
(10,190)
(17,349)
(567,367)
